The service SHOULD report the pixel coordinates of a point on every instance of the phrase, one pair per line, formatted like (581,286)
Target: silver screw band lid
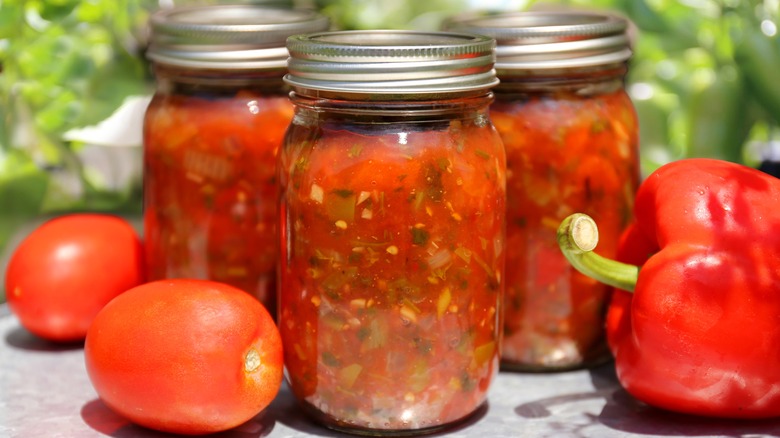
(390,62)
(228,36)
(550,40)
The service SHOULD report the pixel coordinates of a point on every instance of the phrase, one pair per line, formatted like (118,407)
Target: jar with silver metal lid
(571,138)
(211,136)
(392,207)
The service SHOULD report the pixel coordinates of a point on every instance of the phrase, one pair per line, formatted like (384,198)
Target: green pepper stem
(578,236)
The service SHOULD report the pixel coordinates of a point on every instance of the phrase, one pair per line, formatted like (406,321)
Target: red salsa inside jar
(391,270)
(210,187)
(565,153)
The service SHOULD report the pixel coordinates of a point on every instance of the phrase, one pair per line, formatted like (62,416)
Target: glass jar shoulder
(237,111)
(565,127)
(366,153)
(217,135)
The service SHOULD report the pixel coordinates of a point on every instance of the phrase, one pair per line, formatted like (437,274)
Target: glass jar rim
(228,36)
(534,40)
(387,62)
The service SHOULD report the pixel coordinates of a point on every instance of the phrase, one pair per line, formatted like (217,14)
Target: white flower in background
(111,152)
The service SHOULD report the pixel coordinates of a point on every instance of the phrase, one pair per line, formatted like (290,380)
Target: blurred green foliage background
(705,79)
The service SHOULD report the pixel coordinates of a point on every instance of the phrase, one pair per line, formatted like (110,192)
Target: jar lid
(228,36)
(390,62)
(549,40)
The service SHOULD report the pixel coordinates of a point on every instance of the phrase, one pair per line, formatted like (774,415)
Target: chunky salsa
(392,270)
(565,154)
(210,188)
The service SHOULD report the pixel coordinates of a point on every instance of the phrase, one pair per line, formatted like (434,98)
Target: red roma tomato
(185,356)
(66,270)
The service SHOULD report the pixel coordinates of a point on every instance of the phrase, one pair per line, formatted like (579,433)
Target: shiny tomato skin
(185,356)
(67,269)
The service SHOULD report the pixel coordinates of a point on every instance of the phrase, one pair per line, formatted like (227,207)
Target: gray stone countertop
(45,392)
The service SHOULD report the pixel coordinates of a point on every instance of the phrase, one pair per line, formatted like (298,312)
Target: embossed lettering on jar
(571,139)
(211,137)
(392,207)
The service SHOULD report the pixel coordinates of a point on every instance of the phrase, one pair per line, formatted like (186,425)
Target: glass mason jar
(211,136)
(392,225)
(571,138)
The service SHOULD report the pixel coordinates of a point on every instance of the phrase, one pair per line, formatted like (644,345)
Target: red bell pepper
(700,333)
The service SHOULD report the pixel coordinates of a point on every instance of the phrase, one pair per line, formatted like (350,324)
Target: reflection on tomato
(67,269)
(185,356)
